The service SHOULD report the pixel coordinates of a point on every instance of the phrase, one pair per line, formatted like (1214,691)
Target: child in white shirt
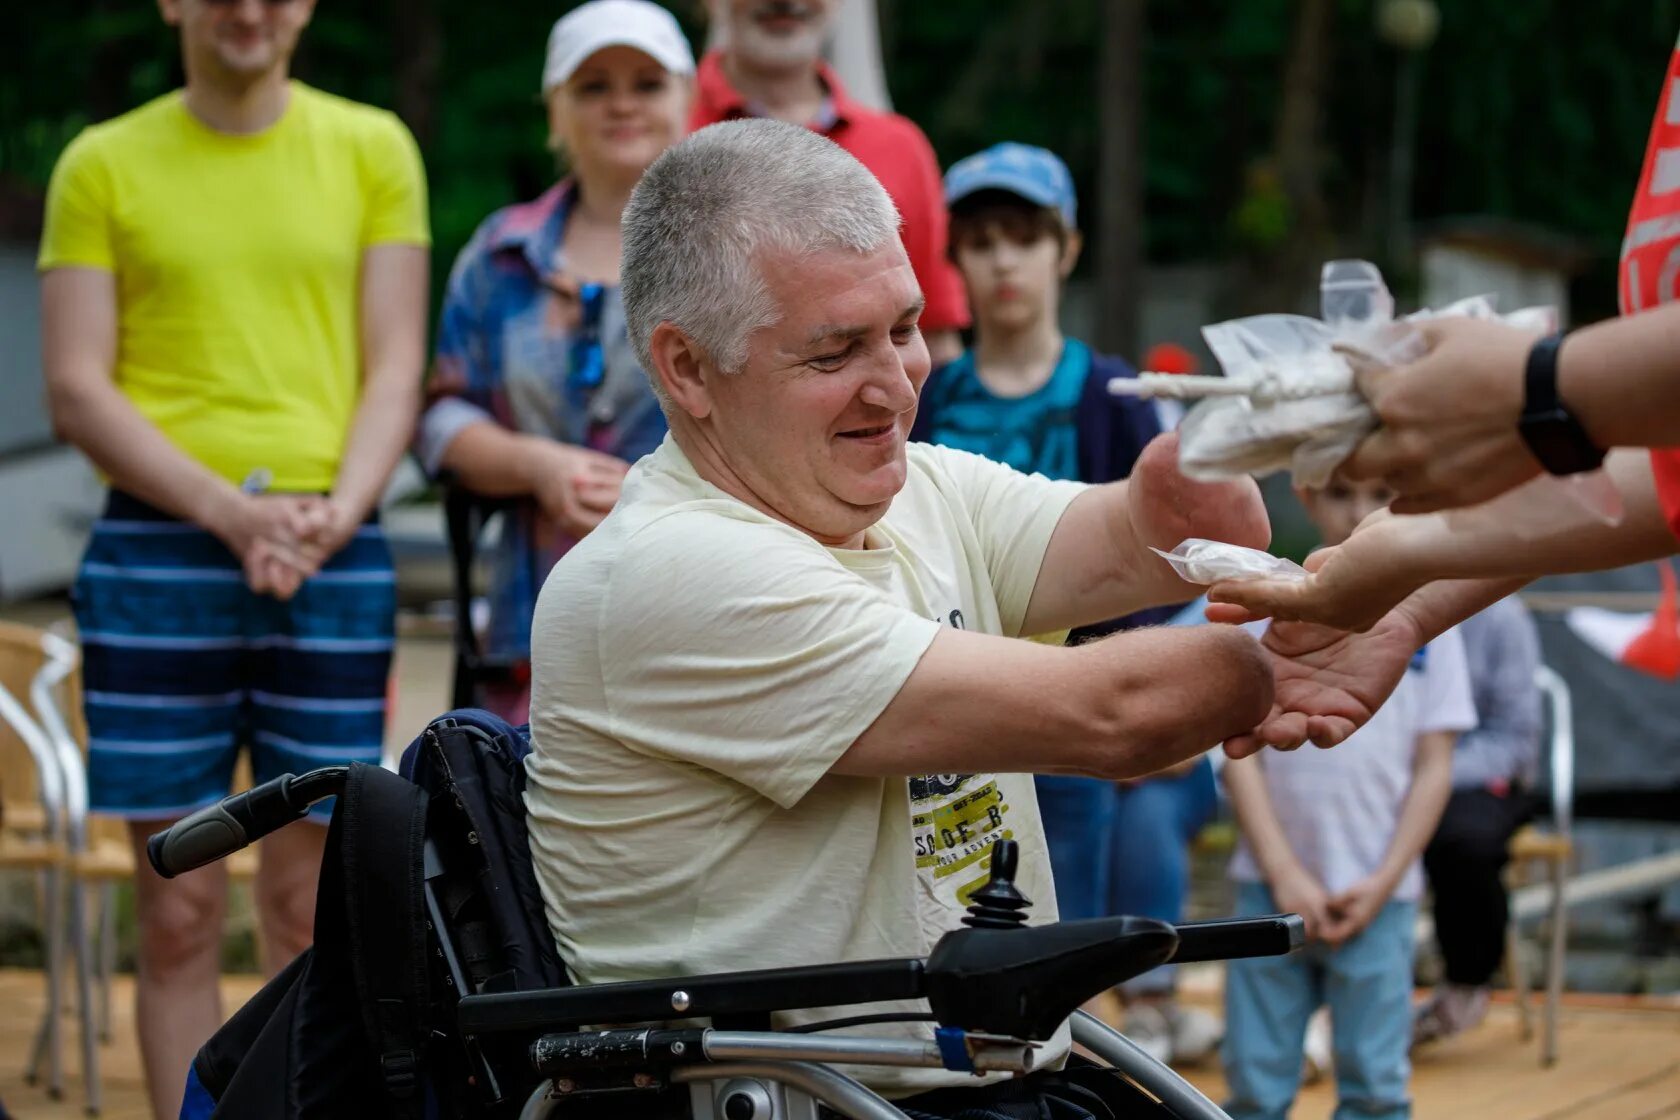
(1336,837)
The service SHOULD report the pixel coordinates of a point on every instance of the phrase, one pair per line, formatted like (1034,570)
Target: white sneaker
(1452,1009)
(1195,1033)
(1317,1062)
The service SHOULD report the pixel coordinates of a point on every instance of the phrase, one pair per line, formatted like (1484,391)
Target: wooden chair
(1551,848)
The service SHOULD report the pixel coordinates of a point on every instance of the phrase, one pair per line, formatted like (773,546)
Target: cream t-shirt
(697,668)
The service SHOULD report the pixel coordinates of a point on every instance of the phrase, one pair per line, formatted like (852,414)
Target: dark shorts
(183,664)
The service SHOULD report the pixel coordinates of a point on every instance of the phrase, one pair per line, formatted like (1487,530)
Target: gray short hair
(710,204)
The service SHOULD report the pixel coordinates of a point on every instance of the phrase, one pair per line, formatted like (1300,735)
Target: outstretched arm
(1098,564)
(1390,558)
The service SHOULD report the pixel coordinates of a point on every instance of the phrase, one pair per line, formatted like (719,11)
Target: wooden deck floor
(1621,1061)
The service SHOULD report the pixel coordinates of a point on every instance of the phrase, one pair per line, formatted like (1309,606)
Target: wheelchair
(995,990)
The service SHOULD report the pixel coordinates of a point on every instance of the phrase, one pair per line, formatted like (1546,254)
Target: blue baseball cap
(1033,173)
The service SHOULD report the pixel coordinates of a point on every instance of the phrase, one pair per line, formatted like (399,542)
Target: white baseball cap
(614,23)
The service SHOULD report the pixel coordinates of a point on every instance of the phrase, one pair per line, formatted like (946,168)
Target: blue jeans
(1367,983)
(1149,875)
(1078,816)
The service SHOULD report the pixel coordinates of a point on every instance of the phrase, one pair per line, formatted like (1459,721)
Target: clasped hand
(283,539)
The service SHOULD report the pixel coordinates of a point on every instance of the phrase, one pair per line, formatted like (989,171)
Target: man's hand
(1350,586)
(1167,508)
(1355,908)
(577,487)
(1449,420)
(1329,682)
(1297,892)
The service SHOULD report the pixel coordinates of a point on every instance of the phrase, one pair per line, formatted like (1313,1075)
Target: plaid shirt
(524,345)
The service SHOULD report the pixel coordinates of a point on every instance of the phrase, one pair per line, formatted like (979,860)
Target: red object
(1169,357)
(1657,649)
(1648,276)
(900,156)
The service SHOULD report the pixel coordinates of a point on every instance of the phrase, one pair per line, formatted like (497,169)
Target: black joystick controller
(998,904)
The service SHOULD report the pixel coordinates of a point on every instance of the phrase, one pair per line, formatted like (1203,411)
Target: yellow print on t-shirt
(955,819)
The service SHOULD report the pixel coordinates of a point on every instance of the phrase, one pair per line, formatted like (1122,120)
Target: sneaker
(1317,1062)
(1452,1009)
(1195,1033)
(1147,1026)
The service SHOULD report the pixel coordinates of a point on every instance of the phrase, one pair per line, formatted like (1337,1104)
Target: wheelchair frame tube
(1182,1099)
(999,1057)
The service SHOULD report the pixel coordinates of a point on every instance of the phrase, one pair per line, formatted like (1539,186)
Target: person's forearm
(1489,543)
(79,351)
(1621,378)
(488,459)
(379,434)
(1245,781)
(392,322)
(1122,707)
(106,427)
(1420,813)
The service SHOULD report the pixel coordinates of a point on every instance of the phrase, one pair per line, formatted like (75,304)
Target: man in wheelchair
(781,744)
(778,714)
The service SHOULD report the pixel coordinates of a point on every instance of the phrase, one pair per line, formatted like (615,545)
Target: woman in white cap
(535,392)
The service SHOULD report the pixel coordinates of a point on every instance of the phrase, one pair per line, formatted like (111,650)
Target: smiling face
(618,110)
(239,40)
(774,34)
(813,427)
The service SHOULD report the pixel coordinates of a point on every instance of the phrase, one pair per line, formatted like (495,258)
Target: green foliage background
(1534,110)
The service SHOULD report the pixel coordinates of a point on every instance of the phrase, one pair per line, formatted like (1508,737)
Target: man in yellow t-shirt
(233,305)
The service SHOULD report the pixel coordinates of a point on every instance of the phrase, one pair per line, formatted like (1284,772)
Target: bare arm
(1421,811)
(1621,377)
(79,348)
(1295,889)
(393,327)
(1484,557)
(1122,707)
(1098,564)
(575,486)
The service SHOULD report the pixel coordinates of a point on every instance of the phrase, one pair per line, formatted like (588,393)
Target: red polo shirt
(1650,269)
(899,155)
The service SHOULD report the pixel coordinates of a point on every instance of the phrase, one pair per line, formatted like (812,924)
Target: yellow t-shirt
(237,261)
(698,667)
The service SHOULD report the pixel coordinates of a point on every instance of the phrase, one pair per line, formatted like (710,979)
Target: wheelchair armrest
(1229,939)
(727,994)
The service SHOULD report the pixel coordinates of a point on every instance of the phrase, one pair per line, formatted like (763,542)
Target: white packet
(1290,400)
(1205,562)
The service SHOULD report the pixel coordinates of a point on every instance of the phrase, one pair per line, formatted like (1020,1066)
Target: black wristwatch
(1548,427)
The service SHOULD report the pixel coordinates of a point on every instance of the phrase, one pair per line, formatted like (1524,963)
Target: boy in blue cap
(1024,394)
(1027,395)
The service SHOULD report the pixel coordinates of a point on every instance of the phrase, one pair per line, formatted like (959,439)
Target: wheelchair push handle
(219,830)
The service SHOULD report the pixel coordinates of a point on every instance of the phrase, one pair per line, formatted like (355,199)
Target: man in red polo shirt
(770,65)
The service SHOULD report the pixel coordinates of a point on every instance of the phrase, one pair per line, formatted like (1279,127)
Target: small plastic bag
(1205,562)
(1290,397)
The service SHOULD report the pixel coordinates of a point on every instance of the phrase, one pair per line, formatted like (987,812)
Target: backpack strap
(384,833)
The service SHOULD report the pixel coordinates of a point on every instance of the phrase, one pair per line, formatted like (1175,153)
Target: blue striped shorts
(183,664)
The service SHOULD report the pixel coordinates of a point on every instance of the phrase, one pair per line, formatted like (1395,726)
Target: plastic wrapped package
(1290,399)
(1207,562)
